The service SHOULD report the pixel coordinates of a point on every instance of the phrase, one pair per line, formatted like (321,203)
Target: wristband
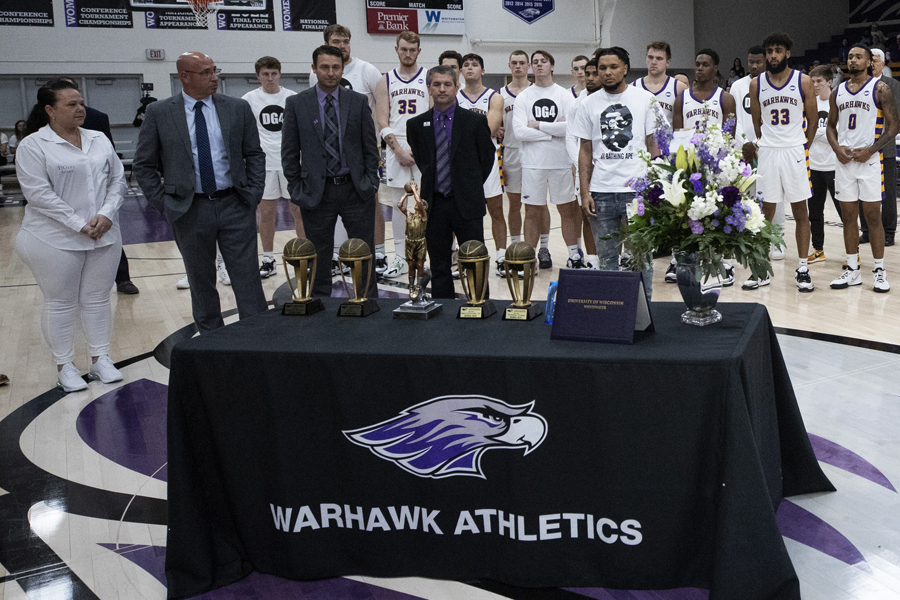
(755,144)
(386,132)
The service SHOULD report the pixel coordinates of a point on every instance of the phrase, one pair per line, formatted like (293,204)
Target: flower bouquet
(698,203)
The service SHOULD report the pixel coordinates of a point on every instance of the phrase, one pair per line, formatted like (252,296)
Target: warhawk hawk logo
(447,436)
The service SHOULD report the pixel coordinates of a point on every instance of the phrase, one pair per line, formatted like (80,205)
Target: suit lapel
(225,122)
(344,99)
(179,117)
(312,106)
(428,147)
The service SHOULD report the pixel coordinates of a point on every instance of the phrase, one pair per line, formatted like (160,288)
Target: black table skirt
(659,465)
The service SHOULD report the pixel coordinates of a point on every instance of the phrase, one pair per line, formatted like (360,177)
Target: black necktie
(204,154)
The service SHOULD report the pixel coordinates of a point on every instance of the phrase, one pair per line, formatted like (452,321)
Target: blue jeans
(610,210)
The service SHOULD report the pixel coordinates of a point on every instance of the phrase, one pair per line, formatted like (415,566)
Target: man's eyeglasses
(208,73)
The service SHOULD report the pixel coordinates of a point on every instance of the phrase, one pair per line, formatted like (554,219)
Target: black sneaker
(729,276)
(575,263)
(804,282)
(267,269)
(671,275)
(126,287)
(544,261)
(864,237)
(381,265)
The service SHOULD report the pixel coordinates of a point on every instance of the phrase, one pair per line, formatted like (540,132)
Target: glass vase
(700,290)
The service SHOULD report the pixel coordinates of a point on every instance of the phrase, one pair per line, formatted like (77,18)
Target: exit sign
(154,54)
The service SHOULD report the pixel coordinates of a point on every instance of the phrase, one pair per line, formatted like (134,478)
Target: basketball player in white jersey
(782,103)
(512,162)
(401,94)
(861,122)
(476,97)
(573,147)
(657,82)
(452,59)
(821,165)
(539,122)
(578,64)
(267,103)
(359,76)
(689,110)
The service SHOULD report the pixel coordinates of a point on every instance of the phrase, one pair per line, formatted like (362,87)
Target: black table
(650,466)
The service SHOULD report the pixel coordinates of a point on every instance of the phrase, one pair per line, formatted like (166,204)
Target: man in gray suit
(211,180)
(338,173)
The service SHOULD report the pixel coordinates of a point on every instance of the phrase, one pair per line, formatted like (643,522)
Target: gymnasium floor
(61,453)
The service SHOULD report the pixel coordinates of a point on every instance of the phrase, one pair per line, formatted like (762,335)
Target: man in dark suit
(453,148)
(330,159)
(214,173)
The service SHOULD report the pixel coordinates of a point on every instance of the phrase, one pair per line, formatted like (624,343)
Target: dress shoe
(864,237)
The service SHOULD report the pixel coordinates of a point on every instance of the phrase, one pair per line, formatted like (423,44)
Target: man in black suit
(207,146)
(453,148)
(330,159)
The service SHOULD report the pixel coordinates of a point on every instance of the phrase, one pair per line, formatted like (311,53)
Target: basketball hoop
(203,9)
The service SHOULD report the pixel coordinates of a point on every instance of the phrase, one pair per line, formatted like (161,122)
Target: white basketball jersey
(693,110)
(665,97)
(407,97)
(509,135)
(783,123)
(860,120)
(481,104)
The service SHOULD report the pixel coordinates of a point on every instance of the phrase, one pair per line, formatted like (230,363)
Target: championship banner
(170,19)
(431,17)
(247,21)
(97,13)
(27,13)
(307,15)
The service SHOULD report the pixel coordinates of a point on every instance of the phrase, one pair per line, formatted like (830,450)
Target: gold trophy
(519,264)
(474,266)
(420,306)
(300,253)
(356,254)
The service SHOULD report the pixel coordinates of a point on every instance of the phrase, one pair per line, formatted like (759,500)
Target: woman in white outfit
(70,238)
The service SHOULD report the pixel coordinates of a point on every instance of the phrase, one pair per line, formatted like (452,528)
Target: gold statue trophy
(300,253)
(355,254)
(420,306)
(474,259)
(520,264)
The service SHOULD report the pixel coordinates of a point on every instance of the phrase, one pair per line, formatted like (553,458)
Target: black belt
(338,180)
(217,195)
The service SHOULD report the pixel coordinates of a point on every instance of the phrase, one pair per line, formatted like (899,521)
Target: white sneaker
(501,267)
(753,283)
(848,277)
(105,371)
(70,379)
(183,284)
(881,282)
(777,253)
(397,268)
(223,274)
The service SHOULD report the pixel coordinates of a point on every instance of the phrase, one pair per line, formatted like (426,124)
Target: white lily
(673,192)
(748,181)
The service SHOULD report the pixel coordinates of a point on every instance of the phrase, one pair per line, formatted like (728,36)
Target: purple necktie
(442,157)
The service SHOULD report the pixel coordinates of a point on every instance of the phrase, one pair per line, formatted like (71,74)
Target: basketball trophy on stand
(473,261)
(519,264)
(355,254)
(300,253)
(420,306)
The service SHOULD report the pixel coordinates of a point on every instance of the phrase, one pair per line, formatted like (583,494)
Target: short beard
(854,71)
(777,68)
(611,88)
(591,89)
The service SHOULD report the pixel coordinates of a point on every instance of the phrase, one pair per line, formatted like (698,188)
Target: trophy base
(418,312)
(515,313)
(359,309)
(477,312)
(302,309)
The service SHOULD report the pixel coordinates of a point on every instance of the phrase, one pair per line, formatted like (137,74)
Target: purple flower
(714,223)
(640,207)
(730,196)
(698,185)
(696,226)
(727,228)
(651,220)
(730,124)
(662,137)
(654,195)
(696,138)
(747,171)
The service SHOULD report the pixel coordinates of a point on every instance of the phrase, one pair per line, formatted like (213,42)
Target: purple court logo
(447,436)
(529,10)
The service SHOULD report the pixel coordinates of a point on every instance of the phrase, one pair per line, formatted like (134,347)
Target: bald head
(198,75)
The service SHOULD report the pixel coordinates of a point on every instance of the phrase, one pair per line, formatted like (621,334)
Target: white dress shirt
(66,187)
(216,144)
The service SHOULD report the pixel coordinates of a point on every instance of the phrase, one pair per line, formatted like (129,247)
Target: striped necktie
(442,156)
(332,143)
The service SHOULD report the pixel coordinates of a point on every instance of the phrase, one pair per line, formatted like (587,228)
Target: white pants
(71,280)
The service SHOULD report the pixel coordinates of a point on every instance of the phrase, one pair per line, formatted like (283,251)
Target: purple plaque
(529,10)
